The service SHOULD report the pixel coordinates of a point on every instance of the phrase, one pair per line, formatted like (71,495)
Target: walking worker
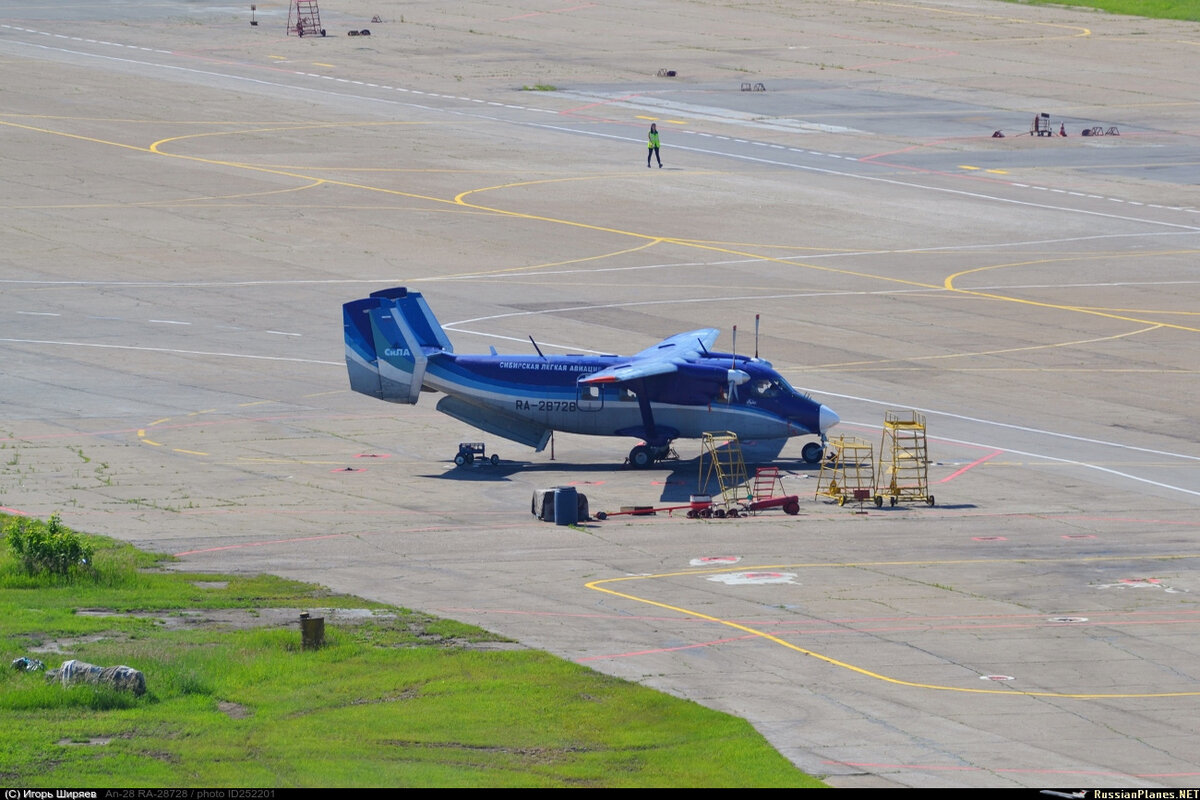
(653,145)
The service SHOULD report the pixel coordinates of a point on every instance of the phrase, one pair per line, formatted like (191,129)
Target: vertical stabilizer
(389,339)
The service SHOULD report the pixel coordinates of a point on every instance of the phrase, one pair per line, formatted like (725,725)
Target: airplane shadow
(684,479)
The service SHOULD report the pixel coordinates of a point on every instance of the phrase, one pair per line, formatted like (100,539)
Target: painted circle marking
(706,560)
(743,578)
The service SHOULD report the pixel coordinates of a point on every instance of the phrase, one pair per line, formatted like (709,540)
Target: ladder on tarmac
(907,457)
(304,18)
(766,481)
(848,472)
(725,461)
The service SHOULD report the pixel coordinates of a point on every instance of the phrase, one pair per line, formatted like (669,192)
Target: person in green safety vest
(653,145)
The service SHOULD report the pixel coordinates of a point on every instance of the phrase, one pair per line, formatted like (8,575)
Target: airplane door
(591,397)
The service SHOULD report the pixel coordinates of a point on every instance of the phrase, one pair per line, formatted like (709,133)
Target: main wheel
(640,457)
(792,507)
(460,459)
(812,452)
(495,459)
(929,500)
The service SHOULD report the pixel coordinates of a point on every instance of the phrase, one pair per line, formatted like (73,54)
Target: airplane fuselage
(546,391)
(396,350)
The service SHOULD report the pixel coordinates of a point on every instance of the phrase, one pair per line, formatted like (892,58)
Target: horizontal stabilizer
(488,419)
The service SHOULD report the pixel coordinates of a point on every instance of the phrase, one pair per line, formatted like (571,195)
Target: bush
(48,547)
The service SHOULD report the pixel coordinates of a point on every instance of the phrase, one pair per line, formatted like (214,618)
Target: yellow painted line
(1079,31)
(997,171)
(278,58)
(1072,343)
(255,403)
(600,587)
(966,166)
(159,421)
(461,200)
(676,121)
(949,284)
(319,64)
(205,411)
(189,452)
(639,116)
(151,442)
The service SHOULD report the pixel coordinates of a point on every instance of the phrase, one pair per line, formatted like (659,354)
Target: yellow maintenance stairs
(905,455)
(725,461)
(848,472)
(738,494)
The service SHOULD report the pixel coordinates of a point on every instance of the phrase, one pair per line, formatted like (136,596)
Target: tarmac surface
(188,199)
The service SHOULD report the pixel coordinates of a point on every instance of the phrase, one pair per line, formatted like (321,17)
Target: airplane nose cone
(827,418)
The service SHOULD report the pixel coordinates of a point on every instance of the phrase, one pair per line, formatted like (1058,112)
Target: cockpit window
(765,387)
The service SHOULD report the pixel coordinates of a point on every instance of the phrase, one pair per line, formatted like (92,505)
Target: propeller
(734,376)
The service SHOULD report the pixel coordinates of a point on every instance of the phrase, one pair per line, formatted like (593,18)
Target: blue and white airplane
(395,349)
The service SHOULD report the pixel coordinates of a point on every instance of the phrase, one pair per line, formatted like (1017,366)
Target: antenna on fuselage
(535,347)
(756,335)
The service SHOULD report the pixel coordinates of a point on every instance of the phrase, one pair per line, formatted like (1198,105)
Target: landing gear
(644,456)
(640,457)
(812,452)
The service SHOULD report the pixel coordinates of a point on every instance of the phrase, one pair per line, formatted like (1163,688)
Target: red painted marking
(974,463)
(957,768)
(756,575)
(333,536)
(13,511)
(718,560)
(666,649)
(552,11)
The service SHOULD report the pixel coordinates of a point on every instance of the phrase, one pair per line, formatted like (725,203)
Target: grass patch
(395,698)
(539,87)
(1154,9)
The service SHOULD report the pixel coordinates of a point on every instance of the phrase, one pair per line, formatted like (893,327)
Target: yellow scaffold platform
(848,472)
(725,461)
(904,452)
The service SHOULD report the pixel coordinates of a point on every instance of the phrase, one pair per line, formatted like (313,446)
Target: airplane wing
(683,345)
(664,358)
